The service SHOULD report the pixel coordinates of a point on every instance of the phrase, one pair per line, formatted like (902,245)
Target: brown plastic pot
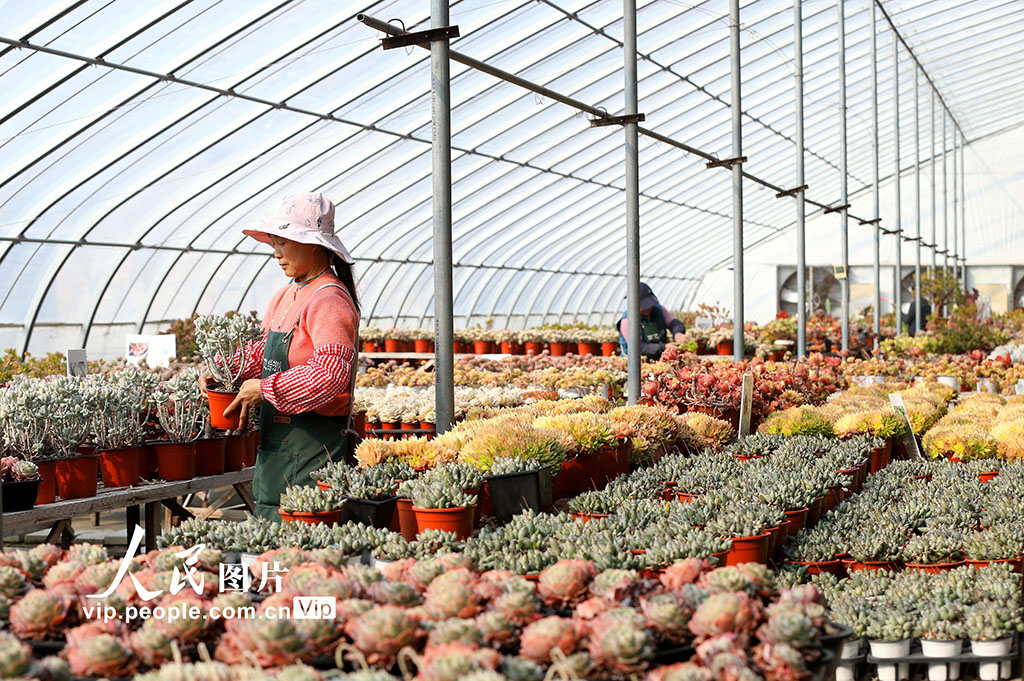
(392,345)
(406,519)
(252,444)
(219,401)
(48,485)
(234,452)
(210,456)
(175,460)
(798,518)
(459,521)
(753,549)
(120,467)
(76,477)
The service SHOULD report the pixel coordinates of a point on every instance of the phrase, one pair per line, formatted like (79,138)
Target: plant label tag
(745,404)
(909,439)
(1019,388)
(702,323)
(78,365)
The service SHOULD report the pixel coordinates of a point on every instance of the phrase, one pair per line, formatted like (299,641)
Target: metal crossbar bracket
(836,209)
(420,37)
(726,162)
(891,231)
(871,222)
(617,120)
(914,238)
(791,192)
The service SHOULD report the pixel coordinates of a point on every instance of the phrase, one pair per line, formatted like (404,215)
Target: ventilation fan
(822,291)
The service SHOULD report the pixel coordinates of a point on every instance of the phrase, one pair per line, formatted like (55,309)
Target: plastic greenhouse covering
(138,137)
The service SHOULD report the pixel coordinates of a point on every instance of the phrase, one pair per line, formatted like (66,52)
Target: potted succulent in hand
(516,484)
(311,505)
(225,344)
(21,484)
(941,637)
(182,412)
(441,506)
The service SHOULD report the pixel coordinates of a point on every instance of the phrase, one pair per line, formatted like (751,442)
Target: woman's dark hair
(345,275)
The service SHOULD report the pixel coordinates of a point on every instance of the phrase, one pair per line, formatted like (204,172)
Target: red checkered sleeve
(310,386)
(253,358)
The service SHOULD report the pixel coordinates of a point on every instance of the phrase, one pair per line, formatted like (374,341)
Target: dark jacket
(909,316)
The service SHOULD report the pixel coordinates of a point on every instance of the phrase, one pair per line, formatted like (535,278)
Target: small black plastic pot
(21,496)
(375,513)
(514,493)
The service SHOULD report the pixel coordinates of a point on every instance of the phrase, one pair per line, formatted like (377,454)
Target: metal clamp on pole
(420,37)
(836,209)
(617,120)
(727,162)
(890,231)
(871,222)
(791,192)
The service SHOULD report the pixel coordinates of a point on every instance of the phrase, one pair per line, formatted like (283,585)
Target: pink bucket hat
(306,218)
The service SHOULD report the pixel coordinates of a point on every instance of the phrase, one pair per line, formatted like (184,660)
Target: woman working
(304,360)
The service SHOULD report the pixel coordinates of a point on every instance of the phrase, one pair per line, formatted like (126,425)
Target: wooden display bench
(148,498)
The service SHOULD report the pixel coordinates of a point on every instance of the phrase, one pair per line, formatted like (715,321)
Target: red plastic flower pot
(423,345)
(871,565)
(753,549)
(622,459)
(175,460)
(409,426)
(48,485)
(987,476)
(390,426)
(533,348)
(392,345)
(210,456)
(586,517)
(583,349)
(833,567)
(1016,563)
(557,349)
(76,477)
(799,520)
(577,475)
(322,518)
(252,444)
(478,509)
(219,401)
(481,347)
(609,349)
(427,425)
(359,423)
(120,467)
(607,465)
(932,568)
(686,497)
(406,519)
(459,521)
(814,511)
(370,346)
(507,348)
(323,485)
(458,347)
(724,348)
(234,452)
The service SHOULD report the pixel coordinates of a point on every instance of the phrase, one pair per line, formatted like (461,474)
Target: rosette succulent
(725,613)
(566,582)
(539,638)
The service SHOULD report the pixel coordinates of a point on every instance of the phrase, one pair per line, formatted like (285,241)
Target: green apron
(291,445)
(652,329)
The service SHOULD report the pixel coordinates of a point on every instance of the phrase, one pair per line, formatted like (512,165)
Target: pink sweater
(321,351)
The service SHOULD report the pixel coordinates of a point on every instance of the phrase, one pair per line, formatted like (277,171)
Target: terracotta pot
(410,426)
(509,348)
(814,511)
(252,445)
(724,348)
(986,476)
(234,452)
(585,517)
(481,347)
(390,426)
(48,484)
(322,518)
(558,349)
(583,349)
(799,519)
(753,549)
(210,456)
(219,401)
(534,348)
(76,477)
(833,567)
(426,425)
(370,346)
(854,566)
(406,519)
(932,568)
(456,520)
(176,460)
(1016,563)
(577,475)
(609,349)
(423,345)
(120,467)
(392,345)
(686,497)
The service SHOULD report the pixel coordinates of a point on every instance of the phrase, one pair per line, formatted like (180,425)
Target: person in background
(909,317)
(657,326)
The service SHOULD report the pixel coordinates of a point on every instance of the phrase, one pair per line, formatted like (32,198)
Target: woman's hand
(680,338)
(249,397)
(204,380)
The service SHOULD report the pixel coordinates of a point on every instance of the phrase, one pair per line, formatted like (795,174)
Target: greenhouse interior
(335,337)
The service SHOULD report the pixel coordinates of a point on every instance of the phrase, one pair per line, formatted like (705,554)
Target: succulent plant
(180,406)
(566,582)
(540,637)
(680,671)
(15,657)
(38,615)
(394,593)
(506,465)
(517,606)
(102,655)
(12,582)
(667,614)
(725,613)
(224,343)
(308,499)
(455,661)
(18,470)
(151,645)
(497,629)
(89,554)
(620,648)
(517,668)
(455,629)
(438,494)
(381,632)
(452,594)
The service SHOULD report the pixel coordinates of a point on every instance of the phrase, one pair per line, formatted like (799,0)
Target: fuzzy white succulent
(224,343)
(181,407)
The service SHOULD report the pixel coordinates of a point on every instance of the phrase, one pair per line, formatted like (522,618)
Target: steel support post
(632,202)
(737,180)
(440,87)
(963,212)
(801,249)
(898,288)
(876,242)
(956,226)
(945,201)
(935,206)
(843,179)
(917,205)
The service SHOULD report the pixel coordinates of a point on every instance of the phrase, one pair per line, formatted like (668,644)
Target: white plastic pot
(993,671)
(248,559)
(847,671)
(942,671)
(892,649)
(951,381)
